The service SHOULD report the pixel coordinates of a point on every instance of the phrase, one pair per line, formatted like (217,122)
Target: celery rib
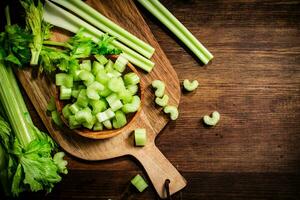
(98,20)
(63,19)
(168,19)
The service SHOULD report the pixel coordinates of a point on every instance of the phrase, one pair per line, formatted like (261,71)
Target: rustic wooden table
(253,81)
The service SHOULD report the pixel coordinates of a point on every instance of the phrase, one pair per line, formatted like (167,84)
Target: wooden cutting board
(151,117)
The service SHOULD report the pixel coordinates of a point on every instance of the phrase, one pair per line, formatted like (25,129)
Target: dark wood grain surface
(253,81)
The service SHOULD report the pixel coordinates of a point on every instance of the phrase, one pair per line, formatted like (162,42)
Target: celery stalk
(98,20)
(166,17)
(63,19)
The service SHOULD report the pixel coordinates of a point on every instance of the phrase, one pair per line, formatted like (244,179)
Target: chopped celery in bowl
(98,100)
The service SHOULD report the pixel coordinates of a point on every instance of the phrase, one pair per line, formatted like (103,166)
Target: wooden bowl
(104,133)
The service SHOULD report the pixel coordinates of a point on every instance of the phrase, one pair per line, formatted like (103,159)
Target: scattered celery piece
(140,137)
(213,120)
(159,87)
(173,111)
(190,86)
(162,101)
(139,183)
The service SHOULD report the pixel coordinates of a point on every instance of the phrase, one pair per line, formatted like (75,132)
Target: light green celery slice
(125,96)
(84,115)
(97,67)
(114,102)
(116,84)
(82,99)
(173,111)
(109,66)
(133,106)
(66,111)
(87,77)
(139,183)
(165,17)
(120,118)
(93,90)
(131,79)
(86,65)
(51,105)
(105,92)
(65,93)
(96,19)
(89,125)
(98,106)
(102,77)
(63,19)
(73,123)
(140,137)
(105,115)
(213,120)
(56,118)
(64,79)
(101,59)
(74,108)
(98,126)
(159,87)
(107,124)
(190,85)
(120,64)
(132,89)
(162,101)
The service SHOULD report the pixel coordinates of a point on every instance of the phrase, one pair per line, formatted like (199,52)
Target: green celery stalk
(170,21)
(98,20)
(63,19)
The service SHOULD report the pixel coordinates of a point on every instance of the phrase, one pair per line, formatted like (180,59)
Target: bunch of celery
(27,159)
(135,50)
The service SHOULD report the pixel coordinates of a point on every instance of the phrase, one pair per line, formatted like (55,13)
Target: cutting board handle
(159,169)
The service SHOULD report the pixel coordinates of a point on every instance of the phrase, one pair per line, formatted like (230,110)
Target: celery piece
(190,86)
(98,20)
(89,125)
(109,66)
(66,111)
(115,124)
(213,120)
(75,74)
(59,17)
(75,93)
(97,67)
(105,115)
(140,137)
(131,79)
(87,77)
(98,126)
(120,118)
(86,65)
(114,102)
(56,118)
(98,106)
(133,89)
(105,92)
(139,183)
(116,84)
(159,87)
(74,108)
(162,101)
(93,90)
(173,111)
(65,93)
(125,96)
(73,123)
(107,124)
(82,99)
(84,115)
(114,73)
(51,105)
(133,106)
(177,28)
(62,79)
(102,77)
(101,59)
(121,63)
